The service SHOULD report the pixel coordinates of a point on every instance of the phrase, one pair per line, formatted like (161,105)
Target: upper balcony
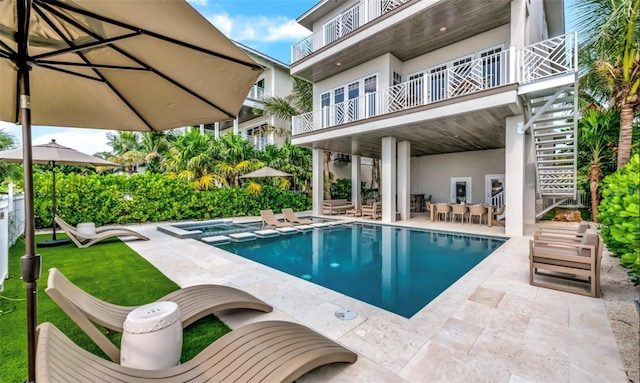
(404,28)
(524,66)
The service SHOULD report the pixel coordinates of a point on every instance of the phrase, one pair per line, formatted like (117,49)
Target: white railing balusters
(346,22)
(484,73)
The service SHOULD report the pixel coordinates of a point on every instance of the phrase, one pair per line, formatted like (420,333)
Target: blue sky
(267,26)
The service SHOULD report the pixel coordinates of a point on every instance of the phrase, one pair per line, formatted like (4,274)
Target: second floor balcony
(539,61)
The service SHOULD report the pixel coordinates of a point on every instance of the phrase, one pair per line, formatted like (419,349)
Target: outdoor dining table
(432,214)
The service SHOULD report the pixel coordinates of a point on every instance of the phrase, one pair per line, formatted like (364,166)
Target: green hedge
(620,217)
(119,199)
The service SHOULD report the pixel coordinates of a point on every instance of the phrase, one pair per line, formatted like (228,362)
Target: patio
(489,326)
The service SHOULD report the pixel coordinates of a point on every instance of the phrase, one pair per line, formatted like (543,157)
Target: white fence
(11,228)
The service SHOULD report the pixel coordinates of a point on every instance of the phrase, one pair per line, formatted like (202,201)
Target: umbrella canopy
(126,65)
(138,65)
(266,172)
(54,154)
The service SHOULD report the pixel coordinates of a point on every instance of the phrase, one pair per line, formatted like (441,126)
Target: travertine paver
(490,326)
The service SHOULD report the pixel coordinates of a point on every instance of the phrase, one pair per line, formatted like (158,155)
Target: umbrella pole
(30,262)
(54,208)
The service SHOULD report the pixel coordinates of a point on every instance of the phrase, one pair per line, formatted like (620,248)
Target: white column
(514,177)
(216,130)
(404,179)
(529,202)
(388,179)
(235,126)
(356,177)
(201,128)
(317,180)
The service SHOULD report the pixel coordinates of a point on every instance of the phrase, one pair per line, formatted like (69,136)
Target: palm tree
(300,101)
(597,133)
(154,145)
(126,150)
(610,30)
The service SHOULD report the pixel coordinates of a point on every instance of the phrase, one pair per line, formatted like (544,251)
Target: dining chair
(442,209)
(477,211)
(459,211)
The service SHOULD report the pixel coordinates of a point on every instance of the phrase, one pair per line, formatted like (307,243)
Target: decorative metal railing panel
(477,75)
(346,22)
(474,76)
(547,58)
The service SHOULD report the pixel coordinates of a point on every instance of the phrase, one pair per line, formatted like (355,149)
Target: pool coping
(479,329)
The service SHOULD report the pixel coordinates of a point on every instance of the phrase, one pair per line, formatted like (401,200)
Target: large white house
(468,101)
(251,121)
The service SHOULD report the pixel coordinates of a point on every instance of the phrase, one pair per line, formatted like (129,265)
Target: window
(338,101)
(370,89)
(352,105)
(415,89)
(438,83)
(492,71)
(325,110)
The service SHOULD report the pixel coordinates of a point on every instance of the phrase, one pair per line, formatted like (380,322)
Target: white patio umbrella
(54,154)
(124,65)
(265,172)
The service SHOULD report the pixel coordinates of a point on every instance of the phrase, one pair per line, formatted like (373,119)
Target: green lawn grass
(110,271)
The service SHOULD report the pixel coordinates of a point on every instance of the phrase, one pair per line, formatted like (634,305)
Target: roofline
(301,19)
(262,55)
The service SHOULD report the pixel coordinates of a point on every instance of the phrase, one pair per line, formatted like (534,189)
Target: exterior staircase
(552,117)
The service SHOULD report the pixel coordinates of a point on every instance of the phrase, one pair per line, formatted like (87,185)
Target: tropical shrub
(341,189)
(620,218)
(119,199)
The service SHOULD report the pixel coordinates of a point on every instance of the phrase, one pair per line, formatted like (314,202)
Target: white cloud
(259,29)
(13,130)
(202,3)
(89,141)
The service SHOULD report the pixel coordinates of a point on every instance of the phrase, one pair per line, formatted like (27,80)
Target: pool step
(286,230)
(240,237)
(303,227)
(266,233)
(217,240)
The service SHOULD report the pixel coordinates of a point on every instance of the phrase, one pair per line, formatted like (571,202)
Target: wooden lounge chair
(290,216)
(83,240)
(269,219)
(195,302)
(271,351)
(576,262)
(373,211)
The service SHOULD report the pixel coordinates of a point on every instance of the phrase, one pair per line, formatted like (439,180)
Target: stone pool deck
(490,326)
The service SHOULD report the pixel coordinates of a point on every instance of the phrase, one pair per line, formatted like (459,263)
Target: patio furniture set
(473,213)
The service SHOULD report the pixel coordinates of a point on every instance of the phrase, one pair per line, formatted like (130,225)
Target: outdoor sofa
(336,206)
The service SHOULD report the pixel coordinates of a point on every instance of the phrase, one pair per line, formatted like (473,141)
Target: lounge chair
(373,211)
(290,216)
(195,302)
(83,240)
(497,213)
(576,262)
(271,351)
(269,219)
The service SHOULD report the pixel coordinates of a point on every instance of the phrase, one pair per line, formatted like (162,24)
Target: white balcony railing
(484,73)
(259,141)
(257,93)
(547,58)
(343,24)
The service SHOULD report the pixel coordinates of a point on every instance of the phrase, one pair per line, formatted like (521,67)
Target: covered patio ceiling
(478,130)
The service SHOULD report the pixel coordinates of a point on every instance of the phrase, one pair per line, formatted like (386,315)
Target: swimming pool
(398,269)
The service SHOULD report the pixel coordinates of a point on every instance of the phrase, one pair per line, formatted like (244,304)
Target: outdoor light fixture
(443,29)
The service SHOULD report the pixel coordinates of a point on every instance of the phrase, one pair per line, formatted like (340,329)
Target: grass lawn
(109,270)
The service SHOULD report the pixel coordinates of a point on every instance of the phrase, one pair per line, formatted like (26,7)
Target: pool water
(223,228)
(398,269)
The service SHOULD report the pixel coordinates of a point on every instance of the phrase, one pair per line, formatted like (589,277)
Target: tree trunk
(595,176)
(327,175)
(626,132)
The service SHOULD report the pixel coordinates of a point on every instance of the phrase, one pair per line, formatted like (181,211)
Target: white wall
(431,175)
(345,172)
(462,48)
